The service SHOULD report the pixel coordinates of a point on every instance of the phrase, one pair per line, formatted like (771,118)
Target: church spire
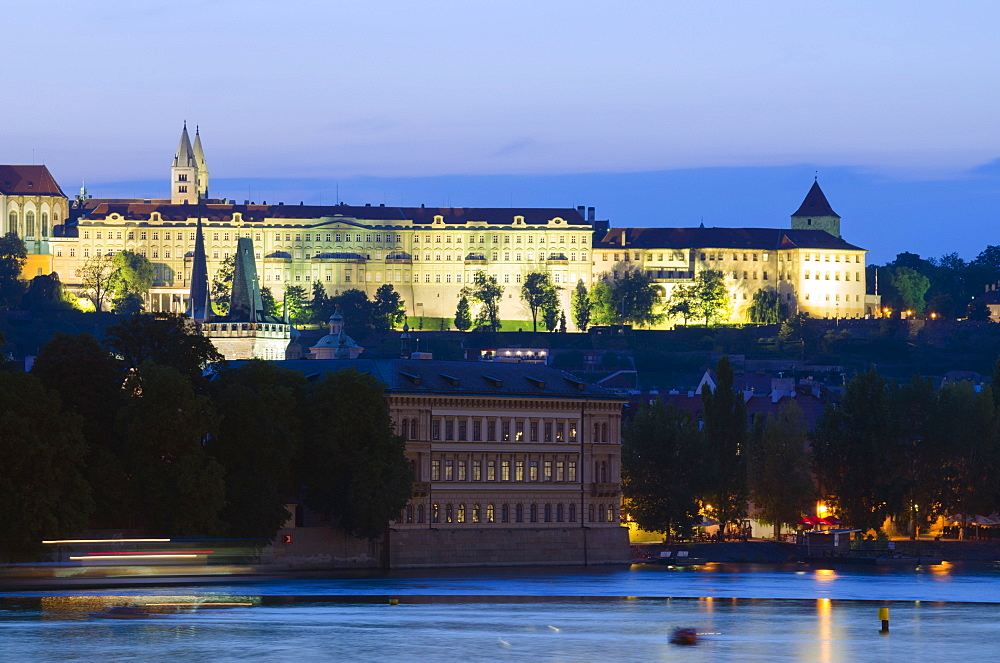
(815,213)
(245,303)
(184,173)
(201,164)
(199,302)
(184,157)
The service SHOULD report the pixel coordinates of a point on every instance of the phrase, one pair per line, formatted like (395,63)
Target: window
(462,470)
(519,513)
(548,431)
(519,470)
(491,431)
(534,431)
(560,470)
(519,431)
(572,513)
(491,470)
(420,513)
(560,432)
(571,467)
(533,513)
(590,513)
(436,429)
(505,470)
(435,470)
(505,513)
(460,516)
(449,471)
(489,513)
(548,513)
(559,513)
(476,512)
(477,470)
(505,431)
(547,471)
(449,430)
(449,514)
(533,470)
(477,430)
(462,430)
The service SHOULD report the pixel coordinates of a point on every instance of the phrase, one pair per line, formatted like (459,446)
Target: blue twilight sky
(657,113)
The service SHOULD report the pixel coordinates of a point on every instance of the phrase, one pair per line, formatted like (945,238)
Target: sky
(656,113)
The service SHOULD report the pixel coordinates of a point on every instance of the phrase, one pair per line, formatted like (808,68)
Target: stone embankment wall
(319,548)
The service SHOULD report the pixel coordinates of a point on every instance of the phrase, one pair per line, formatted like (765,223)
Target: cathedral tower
(199,159)
(184,173)
(815,213)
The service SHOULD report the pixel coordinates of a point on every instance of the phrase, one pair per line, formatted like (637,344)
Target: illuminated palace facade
(429,254)
(513,463)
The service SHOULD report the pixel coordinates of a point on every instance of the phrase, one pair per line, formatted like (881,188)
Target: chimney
(582,210)
(623,236)
(591,213)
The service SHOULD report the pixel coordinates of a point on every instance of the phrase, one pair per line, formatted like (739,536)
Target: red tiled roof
(28,181)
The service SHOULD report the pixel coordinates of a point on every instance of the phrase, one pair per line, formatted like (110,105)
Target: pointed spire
(245,303)
(815,203)
(184,157)
(199,302)
(201,164)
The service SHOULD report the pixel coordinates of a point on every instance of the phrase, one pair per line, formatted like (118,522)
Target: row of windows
(826,257)
(825,276)
(29,224)
(561,239)
(461,469)
(549,513)
(847,298)
(495,256)
(710,256)
(508,430)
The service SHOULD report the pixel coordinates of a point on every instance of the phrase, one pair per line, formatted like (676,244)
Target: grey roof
(431,376)
(815,204)
(762,239)
(184,156)
(200,302)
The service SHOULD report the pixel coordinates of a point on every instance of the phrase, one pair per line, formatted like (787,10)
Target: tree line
(128,433)
(904,452)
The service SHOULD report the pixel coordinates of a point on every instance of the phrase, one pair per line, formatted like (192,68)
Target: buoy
(883,614)
(684,636)
(393,601)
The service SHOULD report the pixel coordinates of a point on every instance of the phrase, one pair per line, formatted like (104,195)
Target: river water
(744,613)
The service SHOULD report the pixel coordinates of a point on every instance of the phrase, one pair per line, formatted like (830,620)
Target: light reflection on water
(522,615)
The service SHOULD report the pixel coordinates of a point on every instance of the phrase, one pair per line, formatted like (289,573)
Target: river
(745,613)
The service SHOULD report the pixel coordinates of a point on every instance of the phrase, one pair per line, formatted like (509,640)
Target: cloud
(515,146)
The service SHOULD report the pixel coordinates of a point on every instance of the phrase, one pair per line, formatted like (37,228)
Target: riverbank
(772,552)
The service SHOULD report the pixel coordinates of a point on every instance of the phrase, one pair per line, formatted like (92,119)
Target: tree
(13,256)
(977,310)
(128,304)
(319,305)
(294,304)
(43,493)
(602,301)
(222,285)
(133,275)
(45,293)
(854,447)
(662,461)
(550,316)
(635,298)
(486,291)
(89,383)
(539,294)
(581,306)
(354,466)
(175,487)
(97,278)
(911,286)
(683,302)
(267,299)
(258,442)
(463,318)
(725,440)
(387,309)
(357,310)
(780,483)
(169,340)
(766,308)
(712,298)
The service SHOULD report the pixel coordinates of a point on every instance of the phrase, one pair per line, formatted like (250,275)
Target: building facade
(32,205)
(513,463)
(430,254)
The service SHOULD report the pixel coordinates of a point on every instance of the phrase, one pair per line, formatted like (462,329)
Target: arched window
(505,513)
(548,513)
(559,513)
(29,224)
(604,432)
(597,433)
(519,513)
(435,513)
(572,513)
(420,513)
(45,224)
(12,222)
(489,513)
(534,513)
(461,513)
(590,513)
(611,513)
(409,513)
(413,429)
(405,425)
(449,514)
(476,513)
(604,472)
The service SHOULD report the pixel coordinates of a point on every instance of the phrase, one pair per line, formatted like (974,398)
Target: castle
(429,254)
